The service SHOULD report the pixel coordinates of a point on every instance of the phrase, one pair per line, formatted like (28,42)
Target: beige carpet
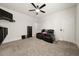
(36,47)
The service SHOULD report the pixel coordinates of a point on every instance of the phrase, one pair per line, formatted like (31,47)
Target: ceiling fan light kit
(37,8)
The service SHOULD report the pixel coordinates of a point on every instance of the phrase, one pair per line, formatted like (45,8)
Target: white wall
(18,28)
(65,20)
(77,25)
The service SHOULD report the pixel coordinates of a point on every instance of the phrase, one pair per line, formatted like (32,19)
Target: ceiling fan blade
(33,5)
(42,11)
(32,10)
(42,6)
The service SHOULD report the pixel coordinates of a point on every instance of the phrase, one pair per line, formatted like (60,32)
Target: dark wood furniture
(4,15)
(24,37)
(3,33)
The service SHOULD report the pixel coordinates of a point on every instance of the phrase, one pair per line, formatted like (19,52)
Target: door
(29,31)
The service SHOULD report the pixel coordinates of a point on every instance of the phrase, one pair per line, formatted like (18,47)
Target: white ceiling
(49,8)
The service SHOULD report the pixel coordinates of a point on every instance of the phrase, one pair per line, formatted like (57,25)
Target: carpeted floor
(36,47)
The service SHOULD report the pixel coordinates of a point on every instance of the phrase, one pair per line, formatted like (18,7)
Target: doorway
(29,31)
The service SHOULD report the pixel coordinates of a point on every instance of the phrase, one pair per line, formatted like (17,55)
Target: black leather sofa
(48,36)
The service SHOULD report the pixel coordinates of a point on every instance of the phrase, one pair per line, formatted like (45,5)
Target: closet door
(29,31)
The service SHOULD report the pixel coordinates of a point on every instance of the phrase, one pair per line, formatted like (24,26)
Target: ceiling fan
(37,8)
